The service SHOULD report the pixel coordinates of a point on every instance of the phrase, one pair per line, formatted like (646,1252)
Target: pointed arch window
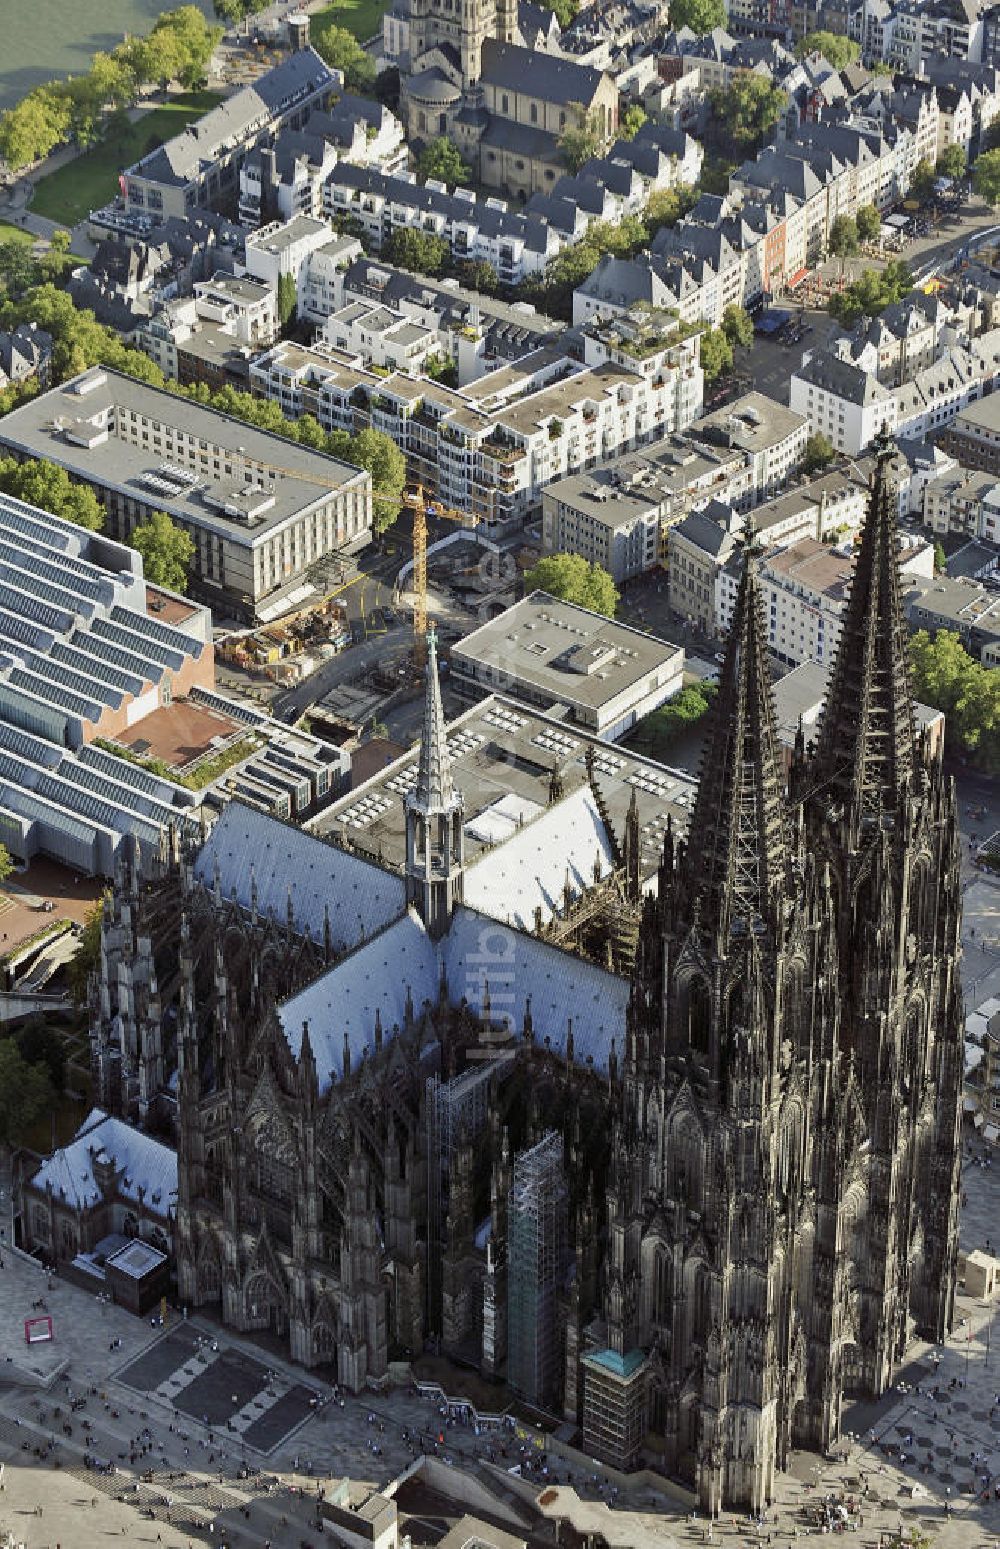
(698,1014)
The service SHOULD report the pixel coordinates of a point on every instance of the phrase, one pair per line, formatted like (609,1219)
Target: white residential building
(281,248)
(379,336)
(805,587)
(321,277)
(841,402)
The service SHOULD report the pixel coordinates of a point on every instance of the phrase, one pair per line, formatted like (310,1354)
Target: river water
(46,38)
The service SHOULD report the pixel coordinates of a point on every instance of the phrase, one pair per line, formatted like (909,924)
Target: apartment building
(805,586)
(841,401)
(259,508)
(771,437)
(223,321)
(963,502)
(321,277)
(973,437)
(379,336)
(200,166)
(698,547)
(280,249)
(491,447)
(618,515)
(517,245)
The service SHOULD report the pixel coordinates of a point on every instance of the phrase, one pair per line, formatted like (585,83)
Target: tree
(87,955)
(288,297)
(631,121)
(748,108)
(716,354)
(940,559)
(836,49)
(166,549)
(180,47)
(342,51)
(666,206)
(661,727)
(440,159)
(868,222)
(234,11)
(922,181)
(420,251)
(737,325)
(946,676)
(700,16)
(374,450)
(79,340)
(477,274)
(33,127)
(986,177)
(565,12)
(843,237)
(569,577)
(18,269)
(952,162)
(880,67)
(40,1044)
(50,487)
(440,369)
(817,454)
(581,139)
(875,290)
(112,81)
(6,863)
(25,1093)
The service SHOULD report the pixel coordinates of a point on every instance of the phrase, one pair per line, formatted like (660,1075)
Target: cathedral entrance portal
(265,1306)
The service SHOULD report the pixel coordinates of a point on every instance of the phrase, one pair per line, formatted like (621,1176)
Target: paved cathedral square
(754,1068)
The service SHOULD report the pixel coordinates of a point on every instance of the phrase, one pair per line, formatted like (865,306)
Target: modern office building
(260,509)
(577,665)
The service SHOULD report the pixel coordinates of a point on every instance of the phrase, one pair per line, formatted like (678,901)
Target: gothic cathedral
(754,1072)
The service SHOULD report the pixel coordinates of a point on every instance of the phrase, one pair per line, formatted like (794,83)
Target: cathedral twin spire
(737,835)
(866,750)
(737,855)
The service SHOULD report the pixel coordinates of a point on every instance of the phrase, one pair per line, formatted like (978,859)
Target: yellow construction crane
(415,500)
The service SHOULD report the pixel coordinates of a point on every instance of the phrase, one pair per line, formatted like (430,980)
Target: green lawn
(363,18)
(70,193)
(10,233)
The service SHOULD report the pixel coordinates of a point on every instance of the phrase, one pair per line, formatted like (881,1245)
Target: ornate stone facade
(782,1209)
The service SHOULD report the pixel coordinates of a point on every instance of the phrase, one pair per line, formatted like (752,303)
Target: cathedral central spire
(434,788)
(435,845)
(737,854)
(866,747)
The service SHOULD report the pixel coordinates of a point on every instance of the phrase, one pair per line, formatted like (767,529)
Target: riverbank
(48,39)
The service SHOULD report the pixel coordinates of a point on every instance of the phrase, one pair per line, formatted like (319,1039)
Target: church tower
(782,1201)
(435,810)
(880,809)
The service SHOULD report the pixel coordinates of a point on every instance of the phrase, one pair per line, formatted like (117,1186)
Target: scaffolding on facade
(537,1238)
(456,1110)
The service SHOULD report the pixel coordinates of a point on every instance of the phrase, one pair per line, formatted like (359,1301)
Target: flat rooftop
(753,422)
(75,425)
(504,753)
(800,694)
(180,732)
(566,653)
(814,566)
